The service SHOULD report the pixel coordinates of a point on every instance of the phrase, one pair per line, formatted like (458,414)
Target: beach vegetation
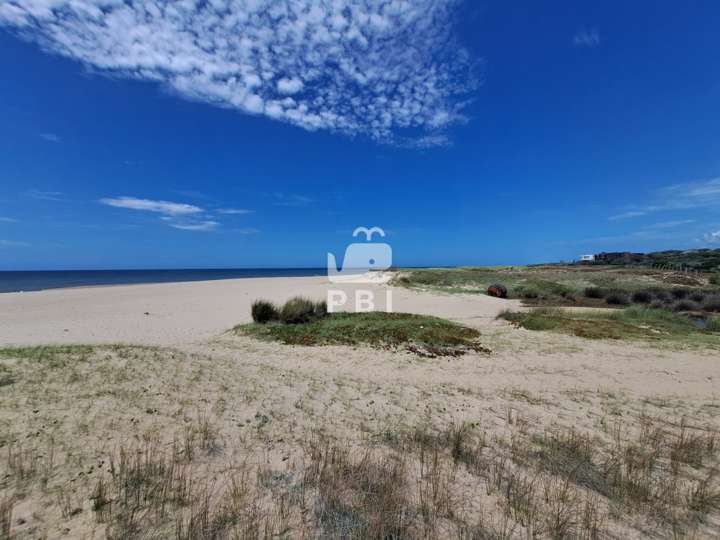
(634,322)
(418,333)
(298,310)
(264,311)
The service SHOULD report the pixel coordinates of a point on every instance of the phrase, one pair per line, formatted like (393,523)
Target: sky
(261,134)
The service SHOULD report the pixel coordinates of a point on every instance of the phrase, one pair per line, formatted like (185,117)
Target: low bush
(263,311)
(642,297)
(715,279)
(712,324)
(617,299)
(321,309)
(297,310)
(662,296)
(685,305)
(594,292)
(712,303)
(679,294)
(697,297)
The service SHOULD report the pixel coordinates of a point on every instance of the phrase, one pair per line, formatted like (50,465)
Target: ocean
(38,280)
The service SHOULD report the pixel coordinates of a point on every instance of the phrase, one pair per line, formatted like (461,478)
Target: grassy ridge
(554,284)
(630,323)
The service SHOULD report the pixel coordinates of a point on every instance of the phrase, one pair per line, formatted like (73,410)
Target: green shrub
(697,297)
(297,310)
(685,305)
(712,324)
(594,292)
(617,299)
(679,294)
(715,279)
(321,309)
(642,297)
(662,296)
(712,303)
(264,311)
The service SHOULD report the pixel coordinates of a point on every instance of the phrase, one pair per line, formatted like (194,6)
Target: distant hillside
(706,260)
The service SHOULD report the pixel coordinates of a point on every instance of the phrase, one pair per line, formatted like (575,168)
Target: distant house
(587,258)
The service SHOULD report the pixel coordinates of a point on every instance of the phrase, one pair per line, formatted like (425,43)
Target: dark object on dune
(697,297)
(642,297)
(663,296)
(497,290)
(617,299)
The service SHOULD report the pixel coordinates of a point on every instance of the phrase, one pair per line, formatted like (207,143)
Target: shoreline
(33,279)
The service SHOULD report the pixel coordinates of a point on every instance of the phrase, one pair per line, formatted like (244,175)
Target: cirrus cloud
(384,68)
(161,207)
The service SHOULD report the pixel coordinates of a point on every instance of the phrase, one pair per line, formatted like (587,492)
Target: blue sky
(227,134)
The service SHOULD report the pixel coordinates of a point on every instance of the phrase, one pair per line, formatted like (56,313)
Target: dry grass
(205,449)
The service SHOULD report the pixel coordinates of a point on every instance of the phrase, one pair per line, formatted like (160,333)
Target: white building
(587,258)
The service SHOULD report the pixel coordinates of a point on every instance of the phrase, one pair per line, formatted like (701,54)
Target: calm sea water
(56,279)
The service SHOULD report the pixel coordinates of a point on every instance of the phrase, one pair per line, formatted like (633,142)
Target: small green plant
(712,324)
(264,311)
(297,310)
(715,279)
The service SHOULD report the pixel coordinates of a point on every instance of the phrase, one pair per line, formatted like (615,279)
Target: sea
(38,280)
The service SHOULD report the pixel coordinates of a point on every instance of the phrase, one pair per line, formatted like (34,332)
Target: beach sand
(178,313)
(265,400)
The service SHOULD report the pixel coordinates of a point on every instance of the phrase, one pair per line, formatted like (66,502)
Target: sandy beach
(181,371)
(179,313)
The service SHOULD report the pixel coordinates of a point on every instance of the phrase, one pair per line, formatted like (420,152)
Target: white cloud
(161,207)
(289,86)
(207,225)
(670,224)
(698,194)
(7,220)
(587,38)
(376,67)
(628,215)
(50,137)
(186,217)
(713,237)
(234,211)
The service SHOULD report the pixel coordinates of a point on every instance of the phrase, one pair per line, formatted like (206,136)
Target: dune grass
(419,333)
(556,285)
(630,323)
